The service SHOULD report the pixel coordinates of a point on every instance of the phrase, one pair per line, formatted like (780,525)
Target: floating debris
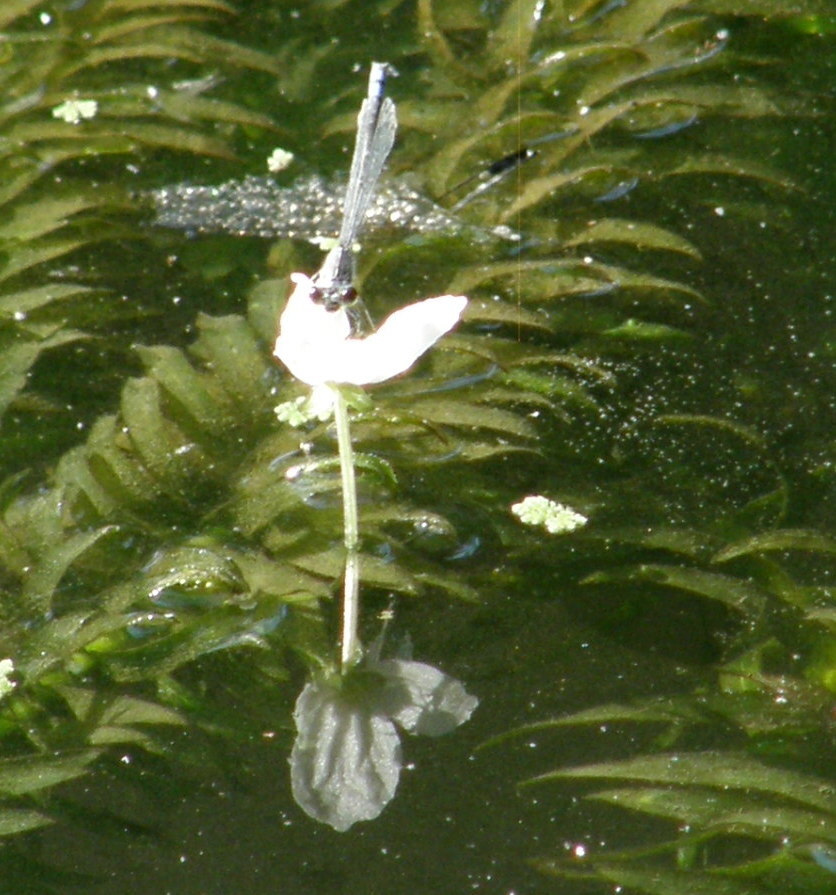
(279,160)
(75,110)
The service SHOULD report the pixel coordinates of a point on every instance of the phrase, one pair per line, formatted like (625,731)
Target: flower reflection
(346,760)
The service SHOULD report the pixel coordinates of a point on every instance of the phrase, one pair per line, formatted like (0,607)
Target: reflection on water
(310,208)
(346,759)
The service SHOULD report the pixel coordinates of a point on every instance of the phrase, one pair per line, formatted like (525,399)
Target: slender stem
(350,644)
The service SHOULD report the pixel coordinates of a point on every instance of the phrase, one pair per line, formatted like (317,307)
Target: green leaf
(633,22)
(808,540)
(745,433)
(22,776)
(720,770)
(30,220)
(236,359)
(120,6)
(132,710)
(112,476)
(668,711)
(190,107)
(36,298)
(671,882)
(42,582)
(166,451)
(17,360)
(188,389)
(14,9)
(472,416)
(724,164)
(101,710)
(511,39)
(639,331)
(26,256)
(636,233)
(739,595)
(508,313)
(19,820)
(725,812)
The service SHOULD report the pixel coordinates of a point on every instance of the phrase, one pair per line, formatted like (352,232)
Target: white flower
(74,110)
(6,686)
(279,160)
(555,517)
(316,344)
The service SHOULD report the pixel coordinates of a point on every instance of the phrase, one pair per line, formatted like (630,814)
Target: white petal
(402,338)
(308,334)
(314,344)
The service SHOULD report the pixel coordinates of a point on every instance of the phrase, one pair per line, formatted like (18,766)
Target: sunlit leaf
(643,235)
(33,219)
(186,388)
(505,312)
(459,413)
(511,38)
(432,33)
(120,6)
(735,167)
(29,255)
(229,348)
(166,451)
(657,711)
(631,23)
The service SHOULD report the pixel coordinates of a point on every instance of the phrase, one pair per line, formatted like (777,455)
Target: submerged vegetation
(160,527)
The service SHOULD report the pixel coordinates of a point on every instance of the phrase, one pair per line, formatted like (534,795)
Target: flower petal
(346,760)
(422,698)
(315,344)
(402,338)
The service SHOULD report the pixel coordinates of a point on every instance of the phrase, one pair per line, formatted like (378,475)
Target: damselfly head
(334,297)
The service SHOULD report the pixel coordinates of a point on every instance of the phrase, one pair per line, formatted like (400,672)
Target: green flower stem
(350,645)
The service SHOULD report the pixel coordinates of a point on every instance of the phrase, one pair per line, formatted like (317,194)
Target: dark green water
(692,414)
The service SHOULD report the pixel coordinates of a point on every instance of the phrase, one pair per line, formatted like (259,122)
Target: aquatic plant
(181,532)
